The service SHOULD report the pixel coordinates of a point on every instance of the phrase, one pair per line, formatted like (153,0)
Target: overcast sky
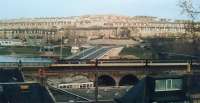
(48,8)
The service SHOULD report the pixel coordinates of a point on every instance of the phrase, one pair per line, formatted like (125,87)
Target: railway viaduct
(108,72)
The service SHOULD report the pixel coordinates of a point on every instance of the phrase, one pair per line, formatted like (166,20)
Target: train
(76,85)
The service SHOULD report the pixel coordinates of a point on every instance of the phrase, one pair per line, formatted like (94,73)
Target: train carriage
(76,85)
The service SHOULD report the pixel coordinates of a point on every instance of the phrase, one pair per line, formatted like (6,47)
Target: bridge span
(96,52)
(103,65)
(126,65)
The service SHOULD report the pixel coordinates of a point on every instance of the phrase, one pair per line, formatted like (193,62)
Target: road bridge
(91,53)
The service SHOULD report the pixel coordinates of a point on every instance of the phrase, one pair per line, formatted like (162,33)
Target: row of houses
(13,42)
(98,25)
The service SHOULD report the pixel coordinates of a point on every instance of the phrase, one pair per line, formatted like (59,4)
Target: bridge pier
(117,80)
(189,66)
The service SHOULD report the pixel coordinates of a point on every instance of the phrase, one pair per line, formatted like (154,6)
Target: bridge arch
(80,77)
(106,80)
(80,74)
(128,80)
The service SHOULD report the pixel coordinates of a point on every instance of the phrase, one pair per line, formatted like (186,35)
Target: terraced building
(92,27)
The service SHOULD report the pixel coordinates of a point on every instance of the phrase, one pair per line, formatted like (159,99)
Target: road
(91,53)
(97,54)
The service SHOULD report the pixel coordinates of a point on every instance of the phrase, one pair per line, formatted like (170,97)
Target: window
(84,85)
(168,84)
(91,85)
(1,89)
(88,85)
(68,86)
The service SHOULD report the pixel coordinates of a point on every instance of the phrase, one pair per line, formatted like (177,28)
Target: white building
(75,49)
(11,42)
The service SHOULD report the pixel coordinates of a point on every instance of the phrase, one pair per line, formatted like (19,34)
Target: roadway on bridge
(91,53)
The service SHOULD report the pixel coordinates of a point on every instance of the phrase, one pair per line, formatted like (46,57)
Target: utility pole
(96,81)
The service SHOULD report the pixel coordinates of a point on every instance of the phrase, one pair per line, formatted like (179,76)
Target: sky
(10,9)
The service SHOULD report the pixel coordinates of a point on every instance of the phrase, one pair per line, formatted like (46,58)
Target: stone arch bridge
(121,72)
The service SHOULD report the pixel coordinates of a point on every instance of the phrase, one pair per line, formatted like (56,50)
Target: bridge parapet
(125,61)
(152,65)
(112,65)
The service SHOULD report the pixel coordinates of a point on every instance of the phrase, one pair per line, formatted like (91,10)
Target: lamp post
(61,44)
(20,65)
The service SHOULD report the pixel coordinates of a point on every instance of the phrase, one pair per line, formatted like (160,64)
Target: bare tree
(189,8)
(192,10)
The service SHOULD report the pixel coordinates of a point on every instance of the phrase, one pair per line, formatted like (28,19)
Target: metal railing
(25,64)
(100,62)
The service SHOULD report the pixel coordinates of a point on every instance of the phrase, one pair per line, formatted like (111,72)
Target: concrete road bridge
(96,52)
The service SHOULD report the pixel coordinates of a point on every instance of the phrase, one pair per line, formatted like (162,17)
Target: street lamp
(19,63)
(61,44)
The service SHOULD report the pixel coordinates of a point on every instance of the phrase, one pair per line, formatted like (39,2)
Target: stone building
(97,26)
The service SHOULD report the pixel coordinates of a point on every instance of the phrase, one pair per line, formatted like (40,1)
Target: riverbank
(163,48)
(30,51)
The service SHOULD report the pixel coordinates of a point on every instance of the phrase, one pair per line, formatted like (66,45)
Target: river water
(23,59)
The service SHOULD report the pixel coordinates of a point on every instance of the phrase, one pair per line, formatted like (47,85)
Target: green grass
(138,52)
(34,51)
(19,50)
(66,51)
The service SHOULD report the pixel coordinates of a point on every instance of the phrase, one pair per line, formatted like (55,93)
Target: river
(23,59)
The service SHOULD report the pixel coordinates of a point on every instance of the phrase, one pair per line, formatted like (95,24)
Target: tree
(192,10)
